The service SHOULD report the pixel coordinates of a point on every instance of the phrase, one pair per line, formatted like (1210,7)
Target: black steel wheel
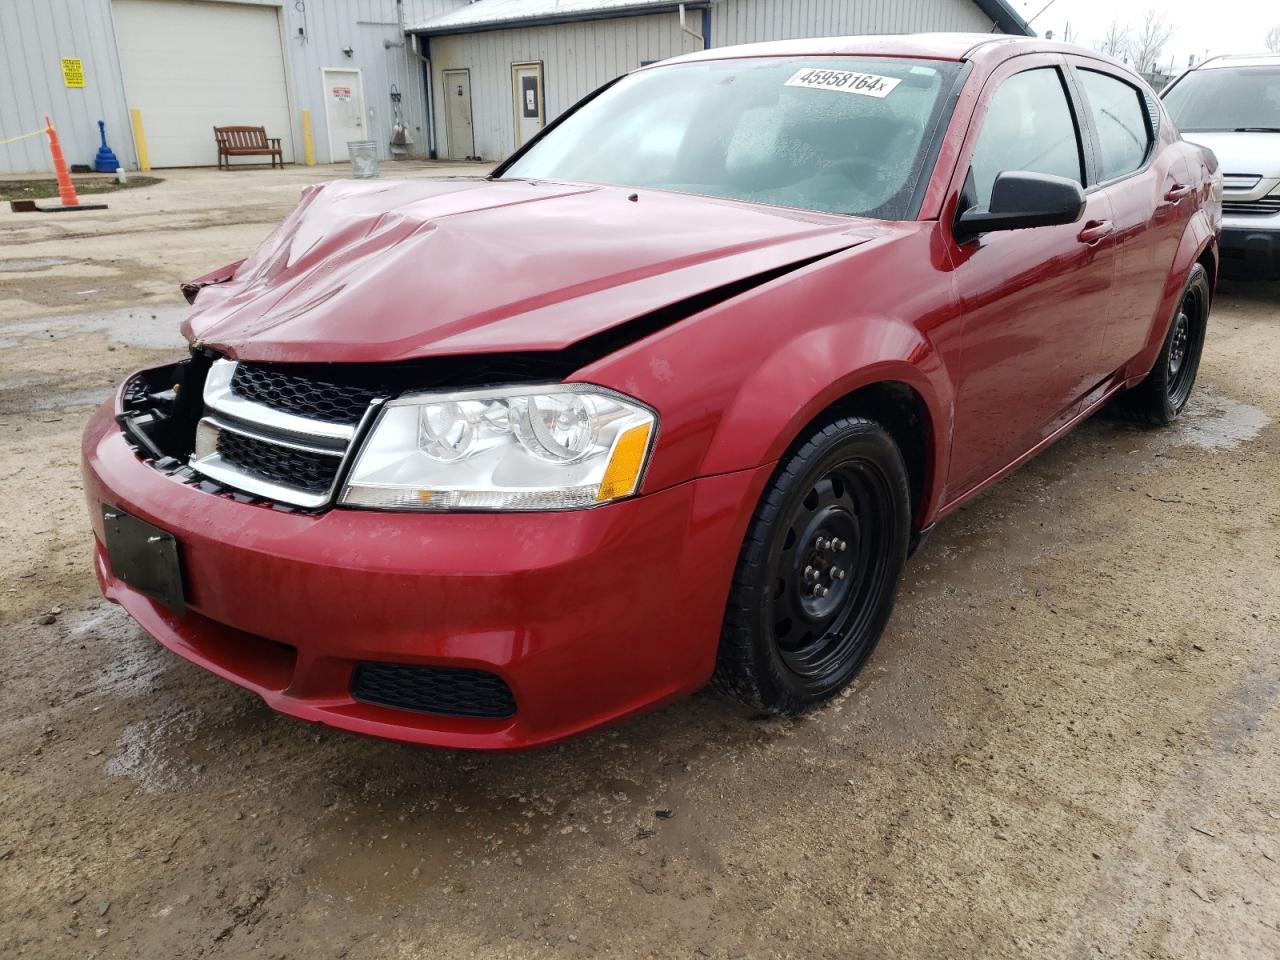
(1161,396)
(819,569)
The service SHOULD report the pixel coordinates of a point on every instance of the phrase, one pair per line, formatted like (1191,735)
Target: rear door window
(1119,113)
(1029,127)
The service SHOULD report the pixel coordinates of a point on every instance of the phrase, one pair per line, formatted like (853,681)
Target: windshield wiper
(1255,130)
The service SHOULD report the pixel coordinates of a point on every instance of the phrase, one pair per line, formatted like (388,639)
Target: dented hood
(390,270)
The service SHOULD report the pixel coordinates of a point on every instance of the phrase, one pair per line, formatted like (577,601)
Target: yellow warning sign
(73,71)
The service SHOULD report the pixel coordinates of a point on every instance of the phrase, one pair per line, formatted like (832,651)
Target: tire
(1158,399)
(818,571)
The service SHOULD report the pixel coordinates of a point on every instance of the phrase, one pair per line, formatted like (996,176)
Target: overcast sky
(1217,26)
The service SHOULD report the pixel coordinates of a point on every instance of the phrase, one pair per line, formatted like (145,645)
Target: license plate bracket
(145,557)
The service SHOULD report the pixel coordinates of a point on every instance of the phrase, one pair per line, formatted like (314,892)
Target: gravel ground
(1066,745)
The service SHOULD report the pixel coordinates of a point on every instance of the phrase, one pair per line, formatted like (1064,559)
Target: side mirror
(1020,200)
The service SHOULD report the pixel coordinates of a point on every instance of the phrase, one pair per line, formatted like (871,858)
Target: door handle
(1176,193)
(1095,231)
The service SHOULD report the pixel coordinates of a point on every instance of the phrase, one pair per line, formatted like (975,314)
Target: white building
(474,79)
(501,68)
(186,66)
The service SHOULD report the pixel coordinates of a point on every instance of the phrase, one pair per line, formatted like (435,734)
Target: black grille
(446,690)
(304,396)
(312,472)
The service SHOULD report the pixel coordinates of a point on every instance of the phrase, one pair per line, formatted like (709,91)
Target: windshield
(1226,98)
(834,134)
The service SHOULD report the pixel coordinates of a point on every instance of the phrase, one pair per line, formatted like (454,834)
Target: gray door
(457,111)
(526,92)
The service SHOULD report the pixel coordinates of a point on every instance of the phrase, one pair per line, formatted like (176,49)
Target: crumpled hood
(392,270)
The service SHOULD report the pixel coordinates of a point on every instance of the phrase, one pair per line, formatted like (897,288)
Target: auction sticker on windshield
(846,81)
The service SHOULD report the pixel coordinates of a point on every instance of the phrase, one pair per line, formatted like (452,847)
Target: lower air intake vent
(445,690)
(313,472)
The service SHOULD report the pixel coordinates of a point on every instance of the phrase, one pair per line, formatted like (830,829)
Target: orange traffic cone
(66,189)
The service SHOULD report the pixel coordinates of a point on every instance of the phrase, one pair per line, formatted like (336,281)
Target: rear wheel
(1161,396)
(819,570)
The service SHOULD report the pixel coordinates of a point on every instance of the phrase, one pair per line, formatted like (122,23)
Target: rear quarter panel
(1198,241)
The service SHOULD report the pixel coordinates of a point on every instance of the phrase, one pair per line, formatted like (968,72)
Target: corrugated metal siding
(753,21)
(363,25)
(34,36)
(577,58)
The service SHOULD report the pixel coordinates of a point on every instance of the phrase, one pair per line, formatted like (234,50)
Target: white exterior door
(526,91)
(457,111)
(344,110)
(191,66)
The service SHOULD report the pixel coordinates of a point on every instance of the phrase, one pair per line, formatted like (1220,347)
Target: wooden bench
(246,142)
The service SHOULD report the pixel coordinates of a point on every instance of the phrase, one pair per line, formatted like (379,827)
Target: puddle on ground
(1213,422)
(145,751)
(35,263)
(134,661)
(154,327)
(145,754)
(60,402)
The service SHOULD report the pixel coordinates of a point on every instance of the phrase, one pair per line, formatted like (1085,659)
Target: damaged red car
(668,398)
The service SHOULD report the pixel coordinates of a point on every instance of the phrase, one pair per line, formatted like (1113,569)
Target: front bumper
(1249,248)
(587,615)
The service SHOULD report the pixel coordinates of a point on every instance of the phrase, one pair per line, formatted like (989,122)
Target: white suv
(1232,106)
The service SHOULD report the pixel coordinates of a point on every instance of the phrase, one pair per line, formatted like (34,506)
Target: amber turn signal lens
(623,473)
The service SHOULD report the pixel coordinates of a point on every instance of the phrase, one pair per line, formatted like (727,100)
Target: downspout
(426,79)
(428,92)
(706,23)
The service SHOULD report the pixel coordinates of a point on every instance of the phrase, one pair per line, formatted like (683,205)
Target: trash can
(364,158)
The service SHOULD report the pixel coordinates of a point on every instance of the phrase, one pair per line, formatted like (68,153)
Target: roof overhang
(507,14)
(1005,17)
(471,19)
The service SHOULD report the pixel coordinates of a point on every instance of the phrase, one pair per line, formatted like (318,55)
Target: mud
(1065,746)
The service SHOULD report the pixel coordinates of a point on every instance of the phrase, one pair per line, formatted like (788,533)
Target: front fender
(812,372)
(735,385)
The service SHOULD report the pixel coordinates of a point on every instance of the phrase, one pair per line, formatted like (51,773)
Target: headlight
(552,447)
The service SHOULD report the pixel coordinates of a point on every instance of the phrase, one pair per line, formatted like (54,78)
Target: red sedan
(668,398)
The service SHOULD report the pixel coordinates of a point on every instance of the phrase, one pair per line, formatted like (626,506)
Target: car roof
(1240,60)
(932,46)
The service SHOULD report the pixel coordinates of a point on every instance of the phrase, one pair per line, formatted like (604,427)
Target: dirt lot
(1068,744)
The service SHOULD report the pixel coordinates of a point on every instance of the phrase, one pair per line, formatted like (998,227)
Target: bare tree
(1273,39)
(1116,42)
(1149,42)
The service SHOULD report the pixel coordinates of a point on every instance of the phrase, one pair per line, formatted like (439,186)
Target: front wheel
(1159,398)
(819,570)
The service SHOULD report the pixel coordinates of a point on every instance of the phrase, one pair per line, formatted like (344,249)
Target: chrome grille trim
(219,397)
(1241,181)
(1261,207)
(207,460)
(225,411)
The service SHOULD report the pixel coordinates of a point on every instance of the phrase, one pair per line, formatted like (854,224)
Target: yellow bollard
(308,141)
(139,139)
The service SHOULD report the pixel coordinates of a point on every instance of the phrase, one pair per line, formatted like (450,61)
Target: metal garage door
(191,65)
